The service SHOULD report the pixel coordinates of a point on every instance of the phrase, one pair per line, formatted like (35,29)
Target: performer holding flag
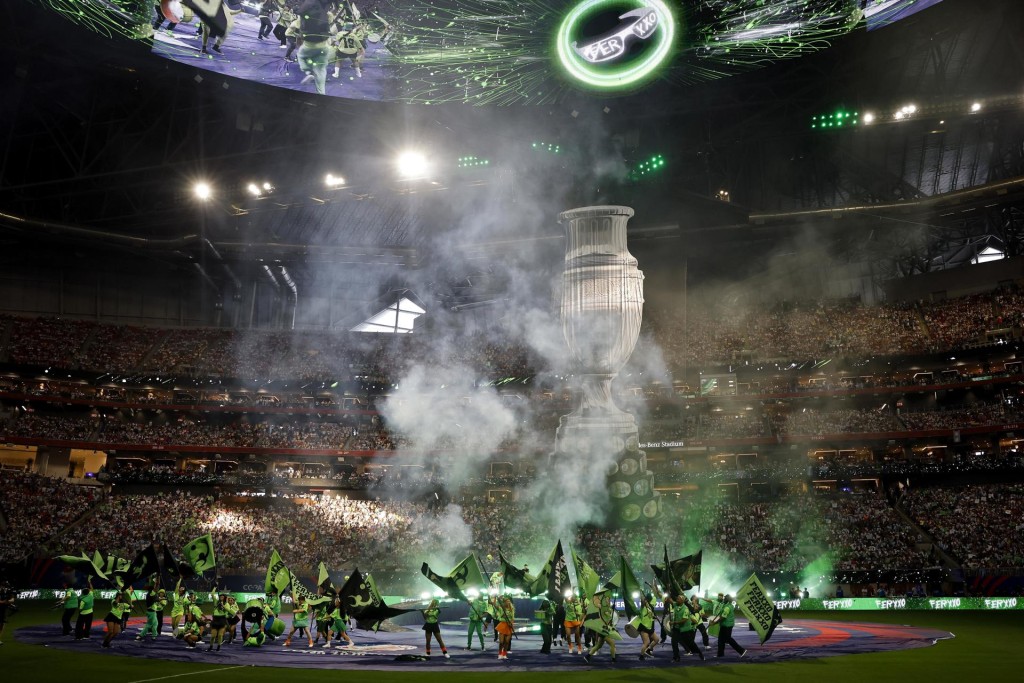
(222,611)
(431,628)
(272,608)
(178,604)
(684,622)
(233,618)
(120,605)
(322,617)
(70,605)
(85,608)
(338,618)
(506,616)
(300,622)
(602,624)
(700,608)
(573,622)
(477,611)
(645,627)
(725,617)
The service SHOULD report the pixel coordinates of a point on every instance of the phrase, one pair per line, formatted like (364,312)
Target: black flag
(513,576)
(145,564)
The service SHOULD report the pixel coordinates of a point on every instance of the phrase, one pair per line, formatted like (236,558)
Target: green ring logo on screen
(604,44)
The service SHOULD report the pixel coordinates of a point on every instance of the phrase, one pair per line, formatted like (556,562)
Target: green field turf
(988,647)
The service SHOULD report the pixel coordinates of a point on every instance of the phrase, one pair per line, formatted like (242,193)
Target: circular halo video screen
(481,52)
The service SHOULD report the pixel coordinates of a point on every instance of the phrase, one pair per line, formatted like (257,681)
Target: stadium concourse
(403,651)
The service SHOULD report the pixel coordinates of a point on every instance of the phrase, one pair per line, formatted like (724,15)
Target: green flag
(112,564)
(84,564)
(588,579)
(323,581)
(752,599)
(601,617)
(278,575)
(630,588)
(466,574)
(299,590)
(199,554)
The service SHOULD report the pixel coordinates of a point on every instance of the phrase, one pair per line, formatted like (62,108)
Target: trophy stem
(602,307)
(596,399)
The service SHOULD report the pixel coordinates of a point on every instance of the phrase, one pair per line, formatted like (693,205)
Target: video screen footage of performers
(482,52)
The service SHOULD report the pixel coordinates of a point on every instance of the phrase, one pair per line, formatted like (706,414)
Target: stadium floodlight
(411,165)
(333,181)
(254,189)
(976,107)
(202,190)
(869,117)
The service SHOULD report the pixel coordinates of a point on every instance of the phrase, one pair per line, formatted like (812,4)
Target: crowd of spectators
(976,415)
(953,322)
(369,433)
(708,331)
(981,526)
(813,421)
(784,534)
(35,508)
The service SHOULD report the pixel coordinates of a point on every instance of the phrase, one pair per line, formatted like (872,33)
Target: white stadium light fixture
(254,189)
(976,107)
(203,190)
(412,164)
(869,117)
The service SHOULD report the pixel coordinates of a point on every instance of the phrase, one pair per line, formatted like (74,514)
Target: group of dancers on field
(259,618)
(316,33)
(585,625)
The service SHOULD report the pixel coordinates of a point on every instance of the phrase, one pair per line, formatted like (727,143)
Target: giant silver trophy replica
(602,306)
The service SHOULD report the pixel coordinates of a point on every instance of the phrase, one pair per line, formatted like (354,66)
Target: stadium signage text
(899,603)
(1000,603)
(945,603)
(623,57)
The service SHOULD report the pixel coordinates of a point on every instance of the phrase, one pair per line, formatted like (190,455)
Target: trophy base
(613,436)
